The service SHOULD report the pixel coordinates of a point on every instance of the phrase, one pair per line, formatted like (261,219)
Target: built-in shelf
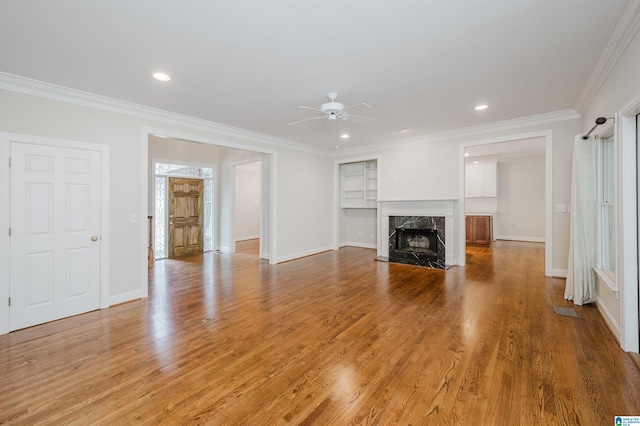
(359,184)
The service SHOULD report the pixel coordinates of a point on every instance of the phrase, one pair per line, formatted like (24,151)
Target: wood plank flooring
(335,338)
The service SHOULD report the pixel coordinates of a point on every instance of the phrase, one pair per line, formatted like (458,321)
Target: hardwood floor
(334,338)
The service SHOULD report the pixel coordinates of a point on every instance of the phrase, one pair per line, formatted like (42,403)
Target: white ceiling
(422,65)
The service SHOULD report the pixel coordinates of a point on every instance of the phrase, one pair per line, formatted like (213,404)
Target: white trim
(472,131)
(609,319)
(5,223)
(608,280)
(548,233)
(628,217)
(41,89)
(248,237)
(5,242)
(360,245)
(232,213)
(266,234)
(154,176)
(127,297)
(559,273)
(624,31)
(516,238)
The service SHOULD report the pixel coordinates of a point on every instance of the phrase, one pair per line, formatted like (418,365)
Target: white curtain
(581,286)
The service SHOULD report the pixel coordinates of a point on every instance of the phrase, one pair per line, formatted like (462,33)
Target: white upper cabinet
(481,180)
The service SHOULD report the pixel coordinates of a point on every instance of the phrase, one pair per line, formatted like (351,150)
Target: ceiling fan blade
(361,103)
(361,119)
(313,109)
(306,119)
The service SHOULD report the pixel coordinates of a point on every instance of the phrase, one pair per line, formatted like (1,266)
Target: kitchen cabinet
(481,180)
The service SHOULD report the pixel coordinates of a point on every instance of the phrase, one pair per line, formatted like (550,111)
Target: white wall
(520,202)
(247,207)
(430,169)
(301,192)
(180,152)
(620,93)
(360,228)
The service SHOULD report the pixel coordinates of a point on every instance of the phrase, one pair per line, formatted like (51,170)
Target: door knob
(94,238)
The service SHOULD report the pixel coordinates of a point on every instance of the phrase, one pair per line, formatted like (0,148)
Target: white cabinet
(481,180)
(359,184)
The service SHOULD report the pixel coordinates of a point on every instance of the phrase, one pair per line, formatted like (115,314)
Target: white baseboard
(303,254)
(513,238)
(126,297)
(248,237)
(609,319)
(357,244)
(223,249)
(559,273)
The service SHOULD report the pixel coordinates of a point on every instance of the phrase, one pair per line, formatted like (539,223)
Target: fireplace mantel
(448,208)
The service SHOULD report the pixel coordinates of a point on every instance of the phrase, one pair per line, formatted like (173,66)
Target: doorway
(247,208)
(165,209)
(530,144)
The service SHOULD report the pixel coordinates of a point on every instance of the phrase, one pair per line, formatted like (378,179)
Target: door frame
(268,193)
(548,173)
(5,212)
(153,189)
(234,166)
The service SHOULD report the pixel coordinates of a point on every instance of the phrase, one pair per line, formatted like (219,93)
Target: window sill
(606,278)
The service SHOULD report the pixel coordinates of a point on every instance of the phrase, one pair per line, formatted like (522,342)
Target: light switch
(561,208)
(134,218)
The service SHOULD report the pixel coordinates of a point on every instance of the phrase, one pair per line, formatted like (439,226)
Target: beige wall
(521,189)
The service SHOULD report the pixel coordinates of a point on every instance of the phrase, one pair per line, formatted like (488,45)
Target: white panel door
(55,233)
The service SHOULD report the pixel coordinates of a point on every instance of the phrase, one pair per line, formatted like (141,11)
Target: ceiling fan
(334,110)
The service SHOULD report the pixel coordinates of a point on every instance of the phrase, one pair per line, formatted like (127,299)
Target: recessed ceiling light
(337,146)
(161,76)
(344,136)
(466,154)
(475,162)
(481,107)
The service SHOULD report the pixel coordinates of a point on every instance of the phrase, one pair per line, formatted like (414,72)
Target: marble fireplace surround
(445,207)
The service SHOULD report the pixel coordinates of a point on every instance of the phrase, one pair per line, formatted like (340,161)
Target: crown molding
(624,31)
(472,131)
(54,92)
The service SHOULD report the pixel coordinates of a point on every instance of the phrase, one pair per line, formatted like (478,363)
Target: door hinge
(9,231)
(9,161)
(9,301)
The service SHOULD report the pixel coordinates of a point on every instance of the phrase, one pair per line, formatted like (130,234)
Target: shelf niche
(359,184)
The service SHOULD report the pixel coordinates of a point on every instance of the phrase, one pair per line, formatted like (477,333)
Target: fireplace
(421,241)
(417,240)
(438,222)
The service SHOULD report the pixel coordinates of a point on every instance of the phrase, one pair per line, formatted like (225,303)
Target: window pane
(159,223)
(609,238)
(608,208)
(208,215)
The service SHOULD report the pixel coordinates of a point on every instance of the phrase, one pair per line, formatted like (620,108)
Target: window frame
(607,200)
